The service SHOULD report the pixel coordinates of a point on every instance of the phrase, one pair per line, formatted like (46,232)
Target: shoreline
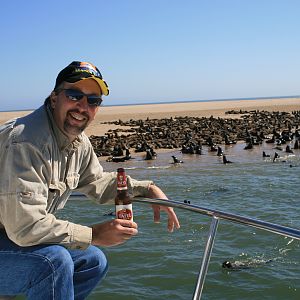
(216,109)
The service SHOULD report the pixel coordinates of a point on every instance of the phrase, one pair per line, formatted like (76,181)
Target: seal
(220,151)
(226,161)
(276,156)
(149,155)
(288,149)
(239,265)
(176,160)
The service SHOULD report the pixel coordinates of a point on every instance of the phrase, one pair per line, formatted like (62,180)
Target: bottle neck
(121,181)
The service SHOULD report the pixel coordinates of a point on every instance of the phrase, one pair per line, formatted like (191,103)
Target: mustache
(85,114)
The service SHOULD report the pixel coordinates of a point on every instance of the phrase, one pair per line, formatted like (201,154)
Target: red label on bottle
(124,212)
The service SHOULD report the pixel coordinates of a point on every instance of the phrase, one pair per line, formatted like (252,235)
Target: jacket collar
(62,140)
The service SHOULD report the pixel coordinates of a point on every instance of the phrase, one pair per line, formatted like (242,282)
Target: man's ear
(53,99)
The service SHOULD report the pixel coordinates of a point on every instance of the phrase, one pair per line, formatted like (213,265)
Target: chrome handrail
(216,215)
(267,226)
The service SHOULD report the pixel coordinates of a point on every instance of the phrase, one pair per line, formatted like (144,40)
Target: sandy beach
(158,111)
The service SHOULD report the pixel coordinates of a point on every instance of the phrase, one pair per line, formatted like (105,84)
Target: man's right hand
(113,232)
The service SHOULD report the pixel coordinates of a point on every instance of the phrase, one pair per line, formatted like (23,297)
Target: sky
(152,51)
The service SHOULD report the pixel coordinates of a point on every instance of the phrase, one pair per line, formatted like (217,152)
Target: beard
(73,126)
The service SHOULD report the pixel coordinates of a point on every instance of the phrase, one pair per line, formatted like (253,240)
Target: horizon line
(181,101)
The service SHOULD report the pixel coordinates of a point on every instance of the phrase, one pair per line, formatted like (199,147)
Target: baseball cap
(78,70)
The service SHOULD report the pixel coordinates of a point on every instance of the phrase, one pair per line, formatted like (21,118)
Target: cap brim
(102,84)
(77,77)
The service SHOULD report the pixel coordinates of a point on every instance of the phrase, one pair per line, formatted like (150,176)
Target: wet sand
(159,111)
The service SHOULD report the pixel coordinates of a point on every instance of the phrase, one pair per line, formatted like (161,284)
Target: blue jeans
(49,271)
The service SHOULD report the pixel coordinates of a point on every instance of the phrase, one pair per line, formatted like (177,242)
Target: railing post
(206,258)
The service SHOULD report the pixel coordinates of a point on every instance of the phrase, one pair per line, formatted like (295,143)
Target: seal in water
(276,155)
(176,160)
(225,160)
(239,265)
(288,149)
(220,151)
(149,155)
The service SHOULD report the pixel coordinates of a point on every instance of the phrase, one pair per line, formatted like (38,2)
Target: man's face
(72,117)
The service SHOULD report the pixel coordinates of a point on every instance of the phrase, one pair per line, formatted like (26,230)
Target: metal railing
(216,215)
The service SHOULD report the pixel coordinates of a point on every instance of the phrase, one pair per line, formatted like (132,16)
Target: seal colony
(190,133)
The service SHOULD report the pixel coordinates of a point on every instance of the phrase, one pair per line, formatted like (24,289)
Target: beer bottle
(123,200)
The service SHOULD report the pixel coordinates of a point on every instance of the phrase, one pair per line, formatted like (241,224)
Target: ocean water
(161,265)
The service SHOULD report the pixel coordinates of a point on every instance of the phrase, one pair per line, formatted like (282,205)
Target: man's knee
(97,257)
(93,261)
(56,259)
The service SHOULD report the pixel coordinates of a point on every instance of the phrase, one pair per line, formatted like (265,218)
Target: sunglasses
(75,95)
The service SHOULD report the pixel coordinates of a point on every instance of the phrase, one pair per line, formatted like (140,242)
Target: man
(44,157)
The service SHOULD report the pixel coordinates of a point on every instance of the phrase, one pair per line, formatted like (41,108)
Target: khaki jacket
(39,170)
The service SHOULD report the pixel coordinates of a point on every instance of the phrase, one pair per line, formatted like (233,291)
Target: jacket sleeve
(102,186)
(23,201)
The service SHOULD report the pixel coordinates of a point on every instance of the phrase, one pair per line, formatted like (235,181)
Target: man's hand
(113,232)
(156,192)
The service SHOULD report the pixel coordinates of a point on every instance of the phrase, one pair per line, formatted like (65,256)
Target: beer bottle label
(124,212)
